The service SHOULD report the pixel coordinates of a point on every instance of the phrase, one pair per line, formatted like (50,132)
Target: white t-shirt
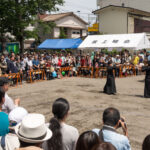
(29,62)
(69,137)
(11,142)
(9,105)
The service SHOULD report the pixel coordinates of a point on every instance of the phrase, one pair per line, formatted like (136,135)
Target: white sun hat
(17,114)
(32,129)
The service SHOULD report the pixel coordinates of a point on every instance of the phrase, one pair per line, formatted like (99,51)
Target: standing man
(108,133)
(9,104)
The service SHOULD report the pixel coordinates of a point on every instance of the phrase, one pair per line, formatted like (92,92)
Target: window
(75,32)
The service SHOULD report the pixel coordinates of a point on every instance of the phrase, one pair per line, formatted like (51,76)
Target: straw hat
(32,129)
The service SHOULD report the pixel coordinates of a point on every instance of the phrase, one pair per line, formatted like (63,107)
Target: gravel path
(88,102)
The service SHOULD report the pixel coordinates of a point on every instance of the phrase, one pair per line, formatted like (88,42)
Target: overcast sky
(82,8)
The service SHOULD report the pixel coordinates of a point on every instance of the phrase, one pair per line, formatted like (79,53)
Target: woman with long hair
(104,146)
(64,136)
(146,143)
(87,140)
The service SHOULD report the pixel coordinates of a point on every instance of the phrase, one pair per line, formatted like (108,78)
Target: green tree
(21,13)
(62,34)
(4,21)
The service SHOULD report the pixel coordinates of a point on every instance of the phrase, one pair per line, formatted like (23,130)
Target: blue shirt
(121,142)
(35,62)
(4,124)
(149,58)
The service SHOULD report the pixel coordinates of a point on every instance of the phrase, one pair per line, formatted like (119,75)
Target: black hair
(2,94)
(25,144)
(146,143)
(60,109)
(110,62)
(87,140)
(111,116)
(104,146)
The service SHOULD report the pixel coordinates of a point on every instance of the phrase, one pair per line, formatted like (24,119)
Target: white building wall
(56,32)
(138,4)
(70,21)
(130,24)
(75,33)
(113,21)
(84,32)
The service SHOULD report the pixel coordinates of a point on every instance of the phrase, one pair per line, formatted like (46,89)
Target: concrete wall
(56,32)
(75,33)
(113,21)
(130,24)
(138,4)
(70,21)
(84,32)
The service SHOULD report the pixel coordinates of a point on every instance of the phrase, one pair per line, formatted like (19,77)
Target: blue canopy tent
(60,44)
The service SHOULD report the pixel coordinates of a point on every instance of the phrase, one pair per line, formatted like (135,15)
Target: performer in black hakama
(147,80)
(110,87)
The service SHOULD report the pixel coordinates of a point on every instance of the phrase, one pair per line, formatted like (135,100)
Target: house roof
(98,10)
(55,17)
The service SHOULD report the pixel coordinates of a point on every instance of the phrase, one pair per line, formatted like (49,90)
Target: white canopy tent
(136,41)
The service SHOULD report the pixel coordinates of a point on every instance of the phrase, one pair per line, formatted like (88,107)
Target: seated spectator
(36,63)
(64,136)
(32,131)
(3,66)
(42,63)
(7,141)
(146,143)
(87,140)
(9,103)
(18,65)
(104,146)
(112,121)
(4,122)
(29,63)
(11,65)
(135,60)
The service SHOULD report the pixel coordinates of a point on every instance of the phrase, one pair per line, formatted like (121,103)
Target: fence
(90,72)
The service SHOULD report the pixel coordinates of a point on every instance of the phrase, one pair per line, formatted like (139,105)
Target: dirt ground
(88,102)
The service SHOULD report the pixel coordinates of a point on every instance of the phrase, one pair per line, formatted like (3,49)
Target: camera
(122,120)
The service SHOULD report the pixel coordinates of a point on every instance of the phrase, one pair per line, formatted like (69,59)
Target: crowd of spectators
(28,131)
(51,63)
(22,130)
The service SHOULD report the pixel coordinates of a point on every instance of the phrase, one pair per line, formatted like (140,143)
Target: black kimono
(147,81)
(110,87)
